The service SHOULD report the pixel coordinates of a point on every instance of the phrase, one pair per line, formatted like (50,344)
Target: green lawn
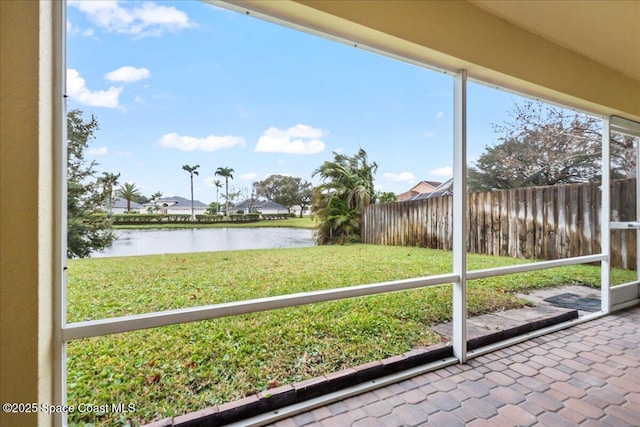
(177,369)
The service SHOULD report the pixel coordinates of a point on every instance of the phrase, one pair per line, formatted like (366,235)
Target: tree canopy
(109,180)
(347,187)
(286,190)
(129,192)
(546,145)
(87,230)
(227,174)
(193,170)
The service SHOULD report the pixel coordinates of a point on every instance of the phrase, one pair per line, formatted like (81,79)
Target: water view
(173,241)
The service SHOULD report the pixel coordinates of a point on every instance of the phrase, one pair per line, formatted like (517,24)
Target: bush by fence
(536,223)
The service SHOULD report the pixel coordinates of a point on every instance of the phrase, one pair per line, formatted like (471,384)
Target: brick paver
(588,375)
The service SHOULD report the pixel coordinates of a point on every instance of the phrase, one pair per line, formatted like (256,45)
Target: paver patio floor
(587,375)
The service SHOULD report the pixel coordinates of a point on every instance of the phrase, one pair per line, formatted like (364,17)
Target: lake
(184,240)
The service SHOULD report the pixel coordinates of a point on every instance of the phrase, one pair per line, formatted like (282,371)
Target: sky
(175,83)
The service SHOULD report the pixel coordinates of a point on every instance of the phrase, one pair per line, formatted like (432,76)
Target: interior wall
(25,267)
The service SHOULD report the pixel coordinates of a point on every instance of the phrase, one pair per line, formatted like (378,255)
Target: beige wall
(25,209)
(451,34)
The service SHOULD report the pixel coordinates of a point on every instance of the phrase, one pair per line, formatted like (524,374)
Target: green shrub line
(177,369)
(160,219)
(223,222)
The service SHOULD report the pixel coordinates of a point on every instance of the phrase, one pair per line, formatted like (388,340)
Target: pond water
(173,241)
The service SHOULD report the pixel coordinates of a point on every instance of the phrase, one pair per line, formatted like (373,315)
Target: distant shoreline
(305,222)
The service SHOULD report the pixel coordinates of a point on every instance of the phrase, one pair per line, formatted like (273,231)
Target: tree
(156,196)
(545,145)
(286,190)
(192,171)
(109,180)
(386,197)
(129,192)
(218,185)
(347,187)
(87,230)
(213,208)
(227,173)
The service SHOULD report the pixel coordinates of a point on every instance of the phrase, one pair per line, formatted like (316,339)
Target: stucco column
(26,208)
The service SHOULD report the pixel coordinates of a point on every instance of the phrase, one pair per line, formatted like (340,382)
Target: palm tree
(155,196)
(347,187)
(226,173)
(109,180)
(128,191)
(154,199)
(218,186)
(192,171)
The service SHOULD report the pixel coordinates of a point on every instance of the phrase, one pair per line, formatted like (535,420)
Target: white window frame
(64,332)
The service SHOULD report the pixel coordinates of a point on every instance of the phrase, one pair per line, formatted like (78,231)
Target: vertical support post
(59,49)
(605,218)
(460,216)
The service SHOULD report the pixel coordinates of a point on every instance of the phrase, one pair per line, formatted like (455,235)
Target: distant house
(423,187)
(265,207)
(119,206)
(296,210)
(176,205)
(444,189)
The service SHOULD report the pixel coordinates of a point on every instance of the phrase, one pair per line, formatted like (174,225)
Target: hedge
(120,219)
(150,218)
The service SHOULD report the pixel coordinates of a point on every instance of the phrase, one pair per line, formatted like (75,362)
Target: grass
(181,368)
(304,222)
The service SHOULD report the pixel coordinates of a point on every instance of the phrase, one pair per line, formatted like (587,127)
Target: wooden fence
(551,222)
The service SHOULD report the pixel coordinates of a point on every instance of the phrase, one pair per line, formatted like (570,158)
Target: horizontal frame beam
(95,328)
(101,327)
(542,265)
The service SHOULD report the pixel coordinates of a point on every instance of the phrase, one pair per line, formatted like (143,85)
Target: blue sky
(174,83)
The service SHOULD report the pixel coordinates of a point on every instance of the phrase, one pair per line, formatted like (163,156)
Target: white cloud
(299,139)
(399,177)
(440,114)
(77,90)
(145,19)
(248,175)
(209,143)
(97,151)
(446,171)
(128,74)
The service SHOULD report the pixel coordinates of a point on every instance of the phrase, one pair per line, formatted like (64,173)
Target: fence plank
(535,223)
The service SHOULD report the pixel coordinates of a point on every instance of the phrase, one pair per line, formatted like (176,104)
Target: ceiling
(606,31)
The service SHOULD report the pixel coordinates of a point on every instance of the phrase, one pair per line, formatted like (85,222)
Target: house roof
(431,183)
(180,202)
(444,189)
(271,205)
(122,203)
(415,190)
